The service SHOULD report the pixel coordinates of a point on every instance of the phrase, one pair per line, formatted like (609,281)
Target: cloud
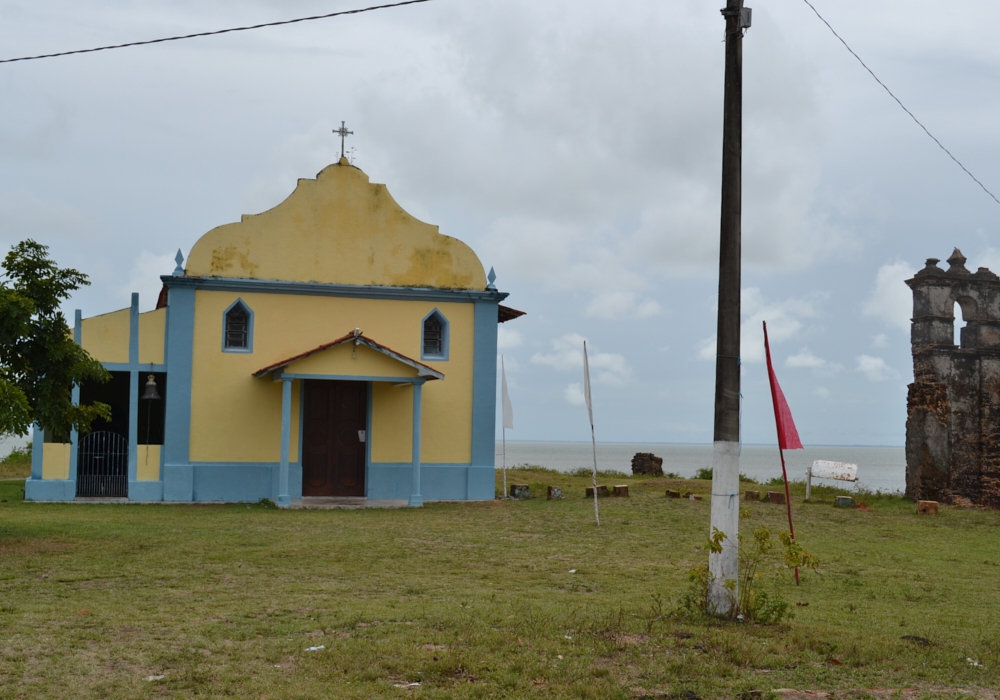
(822,392)
(891,300)
(805,359)
(508,338)
(574,395)
(880,340)
(616,305)
(782,323)
(875,368)
(25,215)
(605,368)
(144,277)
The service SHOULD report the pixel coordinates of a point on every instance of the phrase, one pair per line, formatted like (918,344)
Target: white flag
(508,410)
(586,384)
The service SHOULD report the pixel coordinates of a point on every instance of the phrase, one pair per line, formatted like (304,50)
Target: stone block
(927,507)
(673,494)
(647,463)
(601,491)
(692,497)
(843,502)
(620,490)
(776,497)
(752,496)
(520,491)
(554,493)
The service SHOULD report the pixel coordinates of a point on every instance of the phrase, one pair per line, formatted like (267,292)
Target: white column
(726,518)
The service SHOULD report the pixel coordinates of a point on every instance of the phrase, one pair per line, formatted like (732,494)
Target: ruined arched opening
(967,310)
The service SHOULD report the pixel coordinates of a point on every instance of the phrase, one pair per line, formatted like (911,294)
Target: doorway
(334,437)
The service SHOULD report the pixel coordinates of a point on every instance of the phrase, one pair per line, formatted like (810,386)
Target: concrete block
(752,496)
(554,493)
(692,497)
(520,491)
(843,502)
(601,491)
(776,497)
(673,494)
(927,507)
(620,490)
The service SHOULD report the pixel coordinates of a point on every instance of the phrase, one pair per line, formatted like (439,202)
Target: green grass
(17,464)
(477,600)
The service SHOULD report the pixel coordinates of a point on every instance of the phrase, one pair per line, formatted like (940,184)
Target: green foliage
(706,474)
(39,362)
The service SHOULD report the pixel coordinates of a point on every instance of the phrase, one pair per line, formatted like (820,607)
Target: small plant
(704,473)
(750,601)
(672,475)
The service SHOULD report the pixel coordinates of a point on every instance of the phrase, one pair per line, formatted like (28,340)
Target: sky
(576,146)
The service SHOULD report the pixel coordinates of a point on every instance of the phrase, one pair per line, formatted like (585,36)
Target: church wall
(106,336)
(152,333)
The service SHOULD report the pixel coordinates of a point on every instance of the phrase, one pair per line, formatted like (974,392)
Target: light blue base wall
(49,490)
(221,481)
(438,482)
(145,490)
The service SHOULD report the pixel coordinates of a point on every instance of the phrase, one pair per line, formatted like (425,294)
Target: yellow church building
(333,346)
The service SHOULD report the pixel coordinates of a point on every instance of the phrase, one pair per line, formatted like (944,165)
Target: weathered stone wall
(953,404)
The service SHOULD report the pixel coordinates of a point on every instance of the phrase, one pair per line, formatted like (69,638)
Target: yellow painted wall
(105,337)
(152,327)
(236,417)
(148,466)
(355,361)
(55,460)
(392,440)
(339,228)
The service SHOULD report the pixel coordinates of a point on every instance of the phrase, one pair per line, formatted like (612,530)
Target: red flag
(788,436)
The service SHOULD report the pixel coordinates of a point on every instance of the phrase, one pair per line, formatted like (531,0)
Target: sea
(879,468)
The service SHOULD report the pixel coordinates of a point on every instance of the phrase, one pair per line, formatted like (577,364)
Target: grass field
(16,465)
(483,600)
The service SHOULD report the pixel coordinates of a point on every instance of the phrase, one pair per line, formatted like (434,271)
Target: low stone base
(927,507)
(520,491)
(601,491)
(776,497)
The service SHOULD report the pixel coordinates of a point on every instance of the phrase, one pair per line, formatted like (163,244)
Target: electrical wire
(899,102)
(213,33)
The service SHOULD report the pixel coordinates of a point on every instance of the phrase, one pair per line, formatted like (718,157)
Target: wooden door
(333,437)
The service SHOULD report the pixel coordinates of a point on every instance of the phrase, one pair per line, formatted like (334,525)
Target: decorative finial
(957,262)
(492,277)
(343,133)
(179,259)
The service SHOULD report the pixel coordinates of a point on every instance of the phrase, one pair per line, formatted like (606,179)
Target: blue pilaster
(74,436)
(37,445)
(415,498)
(481,485)
(133,397)
(178,474)
(284,500)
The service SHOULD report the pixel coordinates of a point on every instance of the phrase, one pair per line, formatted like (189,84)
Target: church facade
(333,346)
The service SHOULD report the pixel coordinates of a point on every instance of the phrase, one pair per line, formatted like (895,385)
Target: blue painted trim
(368,435)
(129,367)
(179,358)
(74,436)
(232,284)
(249,348)
(484,385)
(438,482)
(352,378)
(445,337)
(37,447)
(133,330)
(50,490)
(133,425)
(415,498)
(145,490)
(284,500)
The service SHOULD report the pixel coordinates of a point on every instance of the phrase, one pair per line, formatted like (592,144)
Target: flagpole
(503,431)
(590,413)
(781,451)
(505,462)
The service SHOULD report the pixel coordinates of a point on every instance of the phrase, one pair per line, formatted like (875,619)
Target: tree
(39,362)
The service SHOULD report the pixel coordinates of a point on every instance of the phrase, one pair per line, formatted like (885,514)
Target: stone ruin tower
(953,404)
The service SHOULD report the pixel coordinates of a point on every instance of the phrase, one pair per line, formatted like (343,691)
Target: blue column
(415,498)
(284,500)
(133,385)
(177,473)
(37,445)
(74,436)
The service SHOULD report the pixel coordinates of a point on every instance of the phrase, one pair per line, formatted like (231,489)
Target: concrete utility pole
(726,447)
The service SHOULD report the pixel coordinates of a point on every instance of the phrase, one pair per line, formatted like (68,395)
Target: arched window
(237,333)
(435,337)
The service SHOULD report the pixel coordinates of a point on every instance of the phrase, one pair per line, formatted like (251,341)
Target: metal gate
(102,466)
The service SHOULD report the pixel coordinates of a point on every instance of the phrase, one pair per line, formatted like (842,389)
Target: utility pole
(726,446)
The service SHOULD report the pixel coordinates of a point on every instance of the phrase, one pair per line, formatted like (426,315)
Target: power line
(885,87)
(213,33)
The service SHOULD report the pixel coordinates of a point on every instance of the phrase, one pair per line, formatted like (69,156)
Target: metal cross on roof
(342,132)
